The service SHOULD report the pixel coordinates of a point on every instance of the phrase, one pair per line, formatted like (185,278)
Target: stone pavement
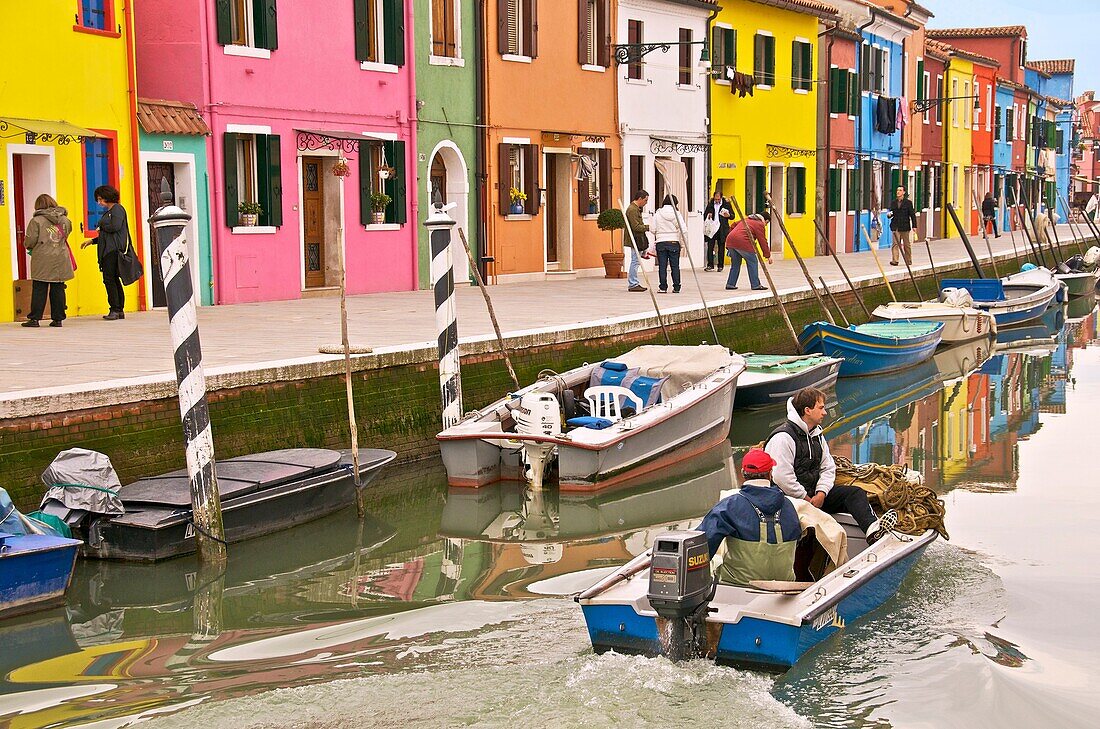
(89,353)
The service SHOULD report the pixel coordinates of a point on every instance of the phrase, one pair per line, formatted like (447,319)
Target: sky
(1055,29)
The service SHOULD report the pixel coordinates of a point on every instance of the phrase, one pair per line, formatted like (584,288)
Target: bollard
(169,222)
(439,225)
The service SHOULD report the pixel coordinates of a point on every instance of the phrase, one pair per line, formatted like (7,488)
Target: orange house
(981,143)
(552,142)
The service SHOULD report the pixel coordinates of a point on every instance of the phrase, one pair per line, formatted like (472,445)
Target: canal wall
(397,402)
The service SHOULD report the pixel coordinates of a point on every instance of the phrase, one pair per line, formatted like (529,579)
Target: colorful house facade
(838,108)
(345,92)
(66,142)
(766,141)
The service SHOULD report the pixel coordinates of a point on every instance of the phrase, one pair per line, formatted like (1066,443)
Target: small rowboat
(1078,283)
(960,323)
(875,347)
(1014,299)
(770,378)
(35,565)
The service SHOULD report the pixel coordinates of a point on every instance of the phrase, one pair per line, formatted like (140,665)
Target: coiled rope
(889,487)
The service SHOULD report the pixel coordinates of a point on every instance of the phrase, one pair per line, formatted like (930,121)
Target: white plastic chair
(605,401)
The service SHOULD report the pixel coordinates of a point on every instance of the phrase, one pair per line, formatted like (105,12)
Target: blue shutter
(96,173)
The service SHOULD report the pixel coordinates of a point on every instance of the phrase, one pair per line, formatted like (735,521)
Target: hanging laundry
(740,83)
(586,167)
(903,112)
(886,115)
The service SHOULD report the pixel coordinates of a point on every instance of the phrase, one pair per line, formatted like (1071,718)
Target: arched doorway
(447,175)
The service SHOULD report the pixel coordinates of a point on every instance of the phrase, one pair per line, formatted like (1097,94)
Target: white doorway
(558,217)
(775,188)
(179,169)
(31,172)
(449,175)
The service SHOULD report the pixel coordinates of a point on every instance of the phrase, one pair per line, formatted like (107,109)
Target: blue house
(1003,133)
(1052,81)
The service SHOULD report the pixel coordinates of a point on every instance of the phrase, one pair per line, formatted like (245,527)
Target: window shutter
(731,48)
(758,63)
(791,183)
(865,67)
(607,180)
(796,65)
(582,192)
(504,178)
(834,90)
(396,185)
(920,80)
(393,32)
(266,24)
(583,24)
(531,178)
(802,191)
(769,47)
(271,170)
(225,25)
(807,66)
(232,194)
(364,184)
(603,34)
(531,27)
(502,26)
(362,41)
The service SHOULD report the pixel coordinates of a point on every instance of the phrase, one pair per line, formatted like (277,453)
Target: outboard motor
(81,486)
(538,413)
(1092,257)
(680,590)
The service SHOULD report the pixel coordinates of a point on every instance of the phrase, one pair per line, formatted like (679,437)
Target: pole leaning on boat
(844,273)
(777,217)
(170,223)
(439,225)
(965,239)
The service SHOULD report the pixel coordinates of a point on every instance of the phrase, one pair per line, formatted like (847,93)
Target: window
(997,112)
(989,107)
(252,23)
(953,103)
(517,27)
(924,89)
(96,15)
(802,65)
(685,57)
(634,34)
(99,165)
(594,192)
(724,52)
(253,173)
(637,174)
(843,92)
(966,113)
(519,170)
(1060,140)
(658,184)
(593,43)
(689,168)
(755,201)
(380,31)
(764,60)
(444,38)
(922,81)
(855,197)
(796,190)
(834,189)
(1023,52)
(382,170)
(939,95)
(873,69)
(1010,123)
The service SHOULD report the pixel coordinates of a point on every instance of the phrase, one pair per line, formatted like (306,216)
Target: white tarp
(684,366)
(83,479)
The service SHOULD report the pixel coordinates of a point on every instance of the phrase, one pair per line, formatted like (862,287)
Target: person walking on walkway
(47,241)
(989,212)
(903,221)
(114,236)
(741,244)
(638,230)
(716,217)
(667,224)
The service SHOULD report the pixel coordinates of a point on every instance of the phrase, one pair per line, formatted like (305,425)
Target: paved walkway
(89,350)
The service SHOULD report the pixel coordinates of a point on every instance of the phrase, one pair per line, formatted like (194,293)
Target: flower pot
(248,219)
(592,209)
(516,209)
(613,265)
(377,217)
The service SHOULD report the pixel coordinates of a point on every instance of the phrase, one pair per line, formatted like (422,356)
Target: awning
(157,116)
(11,126)
(312,139)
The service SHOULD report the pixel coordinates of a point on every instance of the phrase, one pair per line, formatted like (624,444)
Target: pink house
(287,92)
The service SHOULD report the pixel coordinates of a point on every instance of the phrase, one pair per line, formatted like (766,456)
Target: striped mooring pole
(439,225)
(169,223)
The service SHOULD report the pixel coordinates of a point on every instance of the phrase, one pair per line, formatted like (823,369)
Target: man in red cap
(758,525)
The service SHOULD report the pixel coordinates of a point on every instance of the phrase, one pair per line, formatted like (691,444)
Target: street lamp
(922,105)
(633,52)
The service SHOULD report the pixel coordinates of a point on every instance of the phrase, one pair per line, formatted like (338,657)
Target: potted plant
(611,220)
(593,206)
(518,198)
(378,203)
(249,213)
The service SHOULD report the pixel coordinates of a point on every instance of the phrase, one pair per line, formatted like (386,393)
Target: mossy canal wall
(396,393)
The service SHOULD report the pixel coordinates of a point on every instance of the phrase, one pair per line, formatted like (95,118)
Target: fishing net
(891,487)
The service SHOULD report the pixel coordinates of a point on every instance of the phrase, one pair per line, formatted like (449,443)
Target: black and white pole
(169,223)
(439,225)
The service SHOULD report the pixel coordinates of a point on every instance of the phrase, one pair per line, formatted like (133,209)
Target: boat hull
(959,325)
(35,570)
(1078,284)
(1025,295)
(866,354)
(778,389)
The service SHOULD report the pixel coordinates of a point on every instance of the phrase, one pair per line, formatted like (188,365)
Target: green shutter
(270,168)
(229,170)
(393,32)
(807,66)
(225,24)
(731,48)
(796,65)
(769,56)
(396,185)
(266,24)
(853,93)
(834,90)
(364,183)
(920,80)
(834,190)
(802,191)
(362,40)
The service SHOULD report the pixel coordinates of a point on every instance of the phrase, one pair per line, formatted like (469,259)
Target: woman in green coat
(47,241)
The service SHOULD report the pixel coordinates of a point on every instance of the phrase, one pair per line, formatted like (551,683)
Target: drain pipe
(708,155)
(480,175)
(828,128)
(135,144)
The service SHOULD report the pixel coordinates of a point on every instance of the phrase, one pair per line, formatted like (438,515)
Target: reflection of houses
(66,127)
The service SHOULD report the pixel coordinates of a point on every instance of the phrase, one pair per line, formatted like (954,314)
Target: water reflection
(455,580)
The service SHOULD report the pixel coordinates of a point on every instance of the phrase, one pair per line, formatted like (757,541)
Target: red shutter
(583,24)
(603,34)
(531,27)
(531,181)
(606,190)
(502,26)
(504,177)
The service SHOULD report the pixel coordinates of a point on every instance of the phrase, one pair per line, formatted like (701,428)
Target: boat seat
(607,401)
(611,373)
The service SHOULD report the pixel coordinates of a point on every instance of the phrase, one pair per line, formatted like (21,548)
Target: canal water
(450,607)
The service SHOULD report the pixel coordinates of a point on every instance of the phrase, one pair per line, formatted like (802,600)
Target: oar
(776,216)
(985,234)
(965,239)
(787,360)
(832,299)
(631,568)
(1039,235)
(645,276)
(928,247)
(489,306)
(881,271)
(1036,249)
(829,247)
(767,274)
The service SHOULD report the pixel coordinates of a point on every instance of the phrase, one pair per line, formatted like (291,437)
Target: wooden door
(158,172)
(313,215)
(551,208)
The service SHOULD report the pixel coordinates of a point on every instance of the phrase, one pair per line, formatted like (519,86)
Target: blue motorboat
(875,347)
(763,625)
(1015,299)
(35,563)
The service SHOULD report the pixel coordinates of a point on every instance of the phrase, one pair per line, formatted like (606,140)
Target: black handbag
(129,267)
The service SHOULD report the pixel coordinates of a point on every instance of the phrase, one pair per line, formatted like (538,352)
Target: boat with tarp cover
(772,378)
(875,347)
(36,562)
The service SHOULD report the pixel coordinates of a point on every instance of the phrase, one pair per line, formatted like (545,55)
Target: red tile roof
(1064,65)
(1003,31)
(157,116)
(814,7)
(943,51)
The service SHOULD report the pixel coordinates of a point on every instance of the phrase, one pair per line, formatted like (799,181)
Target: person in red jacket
(741,245)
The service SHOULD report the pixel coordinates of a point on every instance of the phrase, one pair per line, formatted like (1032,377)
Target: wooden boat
(960,324)
(1014,299)
(770,378)
(754,627)
(875,347)
(523,429)
(36,565)
(1078,283)
(261,493)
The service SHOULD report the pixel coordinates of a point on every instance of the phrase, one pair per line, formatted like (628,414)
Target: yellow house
(958,116)
(764,110)
(67,125)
